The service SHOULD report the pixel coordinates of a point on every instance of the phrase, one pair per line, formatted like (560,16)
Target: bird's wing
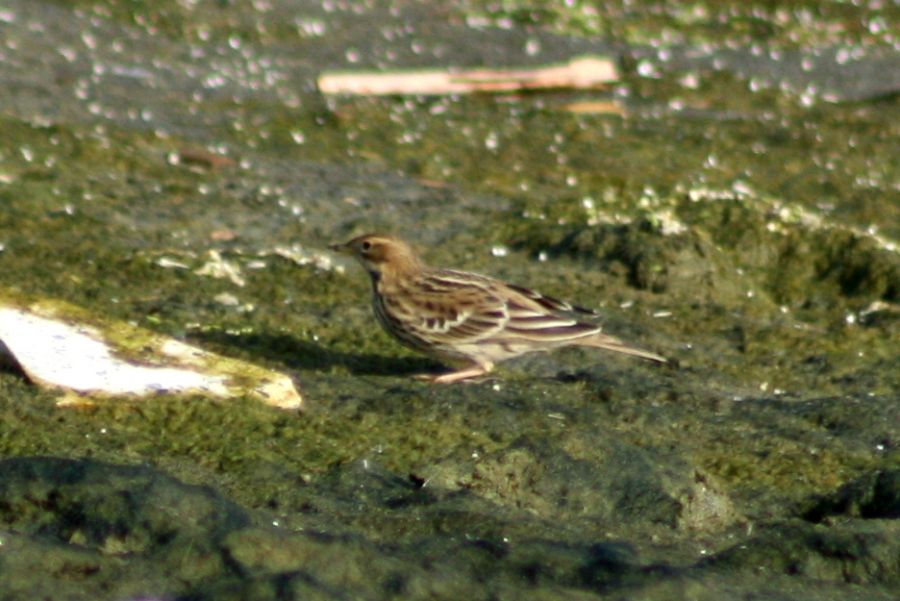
(550,304)
(544,319)
(448,307)
(491,310)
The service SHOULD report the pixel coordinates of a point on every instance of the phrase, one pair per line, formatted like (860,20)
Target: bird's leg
(473,371)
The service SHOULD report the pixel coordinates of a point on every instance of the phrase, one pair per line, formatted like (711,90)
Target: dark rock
(854,552)
(873,496)
(601,479)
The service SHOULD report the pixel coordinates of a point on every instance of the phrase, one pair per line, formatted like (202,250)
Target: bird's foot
(456,376)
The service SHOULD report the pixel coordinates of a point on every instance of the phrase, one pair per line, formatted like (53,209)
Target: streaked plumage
(467,318)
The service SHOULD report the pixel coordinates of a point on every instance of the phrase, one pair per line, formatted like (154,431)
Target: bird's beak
(341,248)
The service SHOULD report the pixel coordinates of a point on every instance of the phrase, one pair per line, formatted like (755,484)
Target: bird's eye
(366,245)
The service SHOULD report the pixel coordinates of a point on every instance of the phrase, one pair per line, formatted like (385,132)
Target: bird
(467,320)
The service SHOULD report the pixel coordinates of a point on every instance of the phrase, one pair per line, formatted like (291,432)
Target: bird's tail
(611,343)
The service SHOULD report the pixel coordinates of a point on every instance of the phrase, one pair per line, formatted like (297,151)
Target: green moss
(214,20)
(62,235)
(799,22)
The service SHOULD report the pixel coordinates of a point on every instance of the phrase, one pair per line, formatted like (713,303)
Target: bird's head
(380,254)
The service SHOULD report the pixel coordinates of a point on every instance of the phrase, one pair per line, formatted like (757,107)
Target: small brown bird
(465,318)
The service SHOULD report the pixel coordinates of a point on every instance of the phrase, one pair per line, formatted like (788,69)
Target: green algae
(199,22)
(785,24)
(116,279)
(798,22)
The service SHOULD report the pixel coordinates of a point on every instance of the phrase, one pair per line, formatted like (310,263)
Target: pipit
(467,319)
